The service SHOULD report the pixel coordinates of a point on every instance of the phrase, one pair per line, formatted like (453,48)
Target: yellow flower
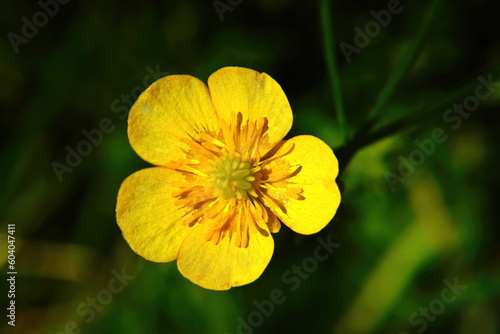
(225,179)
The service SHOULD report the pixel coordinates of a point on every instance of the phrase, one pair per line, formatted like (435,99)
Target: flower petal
(255,95)
(147,216)
(223,265)
(315,169)
(173,107)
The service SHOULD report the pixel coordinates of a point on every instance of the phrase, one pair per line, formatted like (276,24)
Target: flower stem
(424,116)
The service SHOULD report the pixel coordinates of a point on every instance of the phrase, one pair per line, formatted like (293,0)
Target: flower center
(232,177)
(225,182)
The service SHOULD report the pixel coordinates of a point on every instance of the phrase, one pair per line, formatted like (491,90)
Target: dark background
(400,246)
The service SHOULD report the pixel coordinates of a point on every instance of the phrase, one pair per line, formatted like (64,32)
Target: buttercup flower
(224,179)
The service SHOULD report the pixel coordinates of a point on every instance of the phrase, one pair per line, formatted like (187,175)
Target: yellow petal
(255,95)
(147,216)
(224,265)
(273,223)
(316,168)
(173,107)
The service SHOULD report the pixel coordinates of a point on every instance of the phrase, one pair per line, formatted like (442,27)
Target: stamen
(223,182)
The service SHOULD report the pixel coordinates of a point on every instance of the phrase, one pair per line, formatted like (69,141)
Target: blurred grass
(325,10)
(396,247)
(409,55)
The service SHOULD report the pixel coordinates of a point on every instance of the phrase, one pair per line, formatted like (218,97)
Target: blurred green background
(402,242)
